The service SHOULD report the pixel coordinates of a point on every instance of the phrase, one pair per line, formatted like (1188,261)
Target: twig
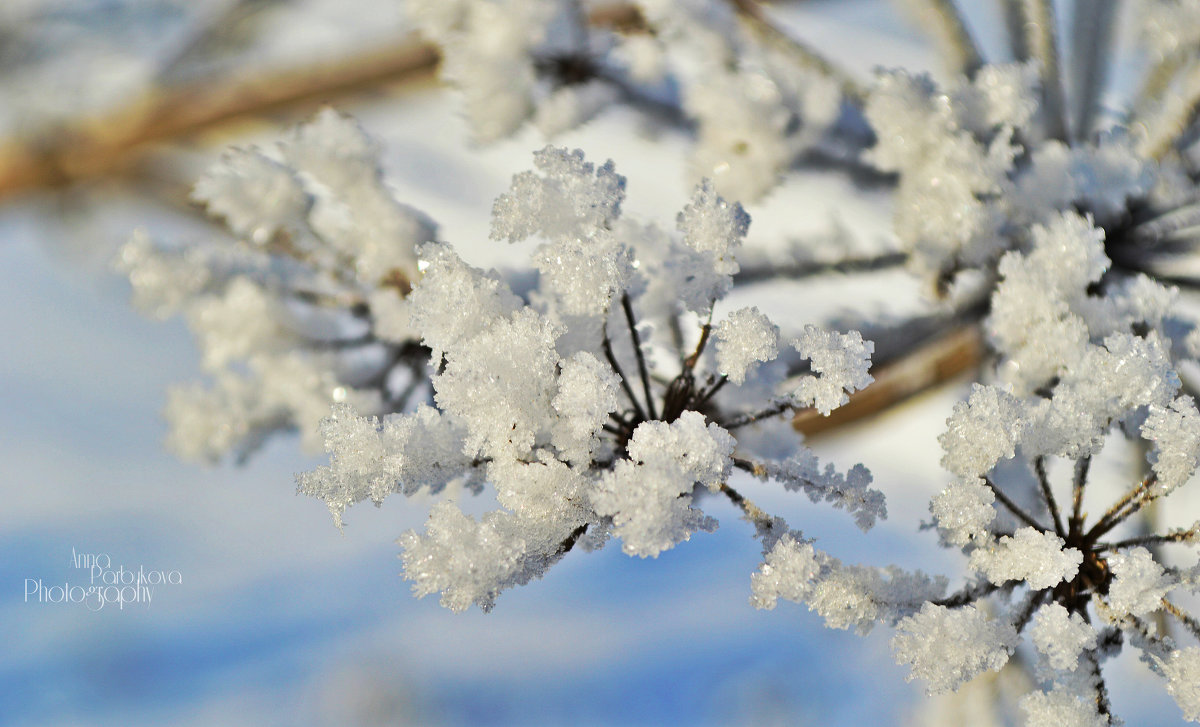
(1042,41)
(755,274)
(627,306)
(1039,465)
(1012,506)
(752,13)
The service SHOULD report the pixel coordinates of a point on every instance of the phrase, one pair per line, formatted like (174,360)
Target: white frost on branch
(949,647)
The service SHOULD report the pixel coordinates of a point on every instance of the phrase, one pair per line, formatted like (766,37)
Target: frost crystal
(1061,637)
(1175,432)
(963,511)
(1034,557)
(1182,671)
(1139,583)
(842,360)
(982,431)
(1061,707)
(647,495)
(745,338)
(947,647)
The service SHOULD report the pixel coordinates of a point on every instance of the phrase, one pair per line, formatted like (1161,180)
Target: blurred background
(109,109)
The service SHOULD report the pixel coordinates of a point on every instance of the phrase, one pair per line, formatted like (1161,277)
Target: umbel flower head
(756,104)
(1010,145)
(600,404)
(1085,371)
(304,306)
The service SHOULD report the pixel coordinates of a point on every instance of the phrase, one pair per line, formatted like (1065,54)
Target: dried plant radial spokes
(566,405)
(306,305)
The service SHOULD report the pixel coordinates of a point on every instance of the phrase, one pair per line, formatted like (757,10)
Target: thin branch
(1103,706)
(1042,41)
(627,306)
(1091,53)
(752,512)
(750,274)
(1182,535)
(1132,501)
(1189,621)
(804,55)
(691,361)
(776,408)
(1014,25)
(946,24)
(1012,506)
(616,367)
(968,594)
(1082,465)
(1039,466)
(703,398)
(1032,601)
(91,147)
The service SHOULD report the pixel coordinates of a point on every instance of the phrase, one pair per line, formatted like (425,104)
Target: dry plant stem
(1169,128)
(1133,501)
(627,306)
(1158,78)
(752,512)
(1190,622)
(96,146)
(970,594)
(1039,464)
(950,32)
(616,367)
(1082,466)
(1102,704)
(1042,41)
(1092,22)
(1013,507)
(760,273)
(1014,24)
(1175,536)
(768,32)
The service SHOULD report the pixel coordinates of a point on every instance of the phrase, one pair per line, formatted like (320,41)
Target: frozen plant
(756,98)
(305,306)
(604,403)
(1091,370)
(1010,143)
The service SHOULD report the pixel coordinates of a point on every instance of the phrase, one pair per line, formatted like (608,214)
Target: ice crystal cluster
(612,398)
(1086,370)
(756,102)
(1007,146)
(304,306)
(602,404)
